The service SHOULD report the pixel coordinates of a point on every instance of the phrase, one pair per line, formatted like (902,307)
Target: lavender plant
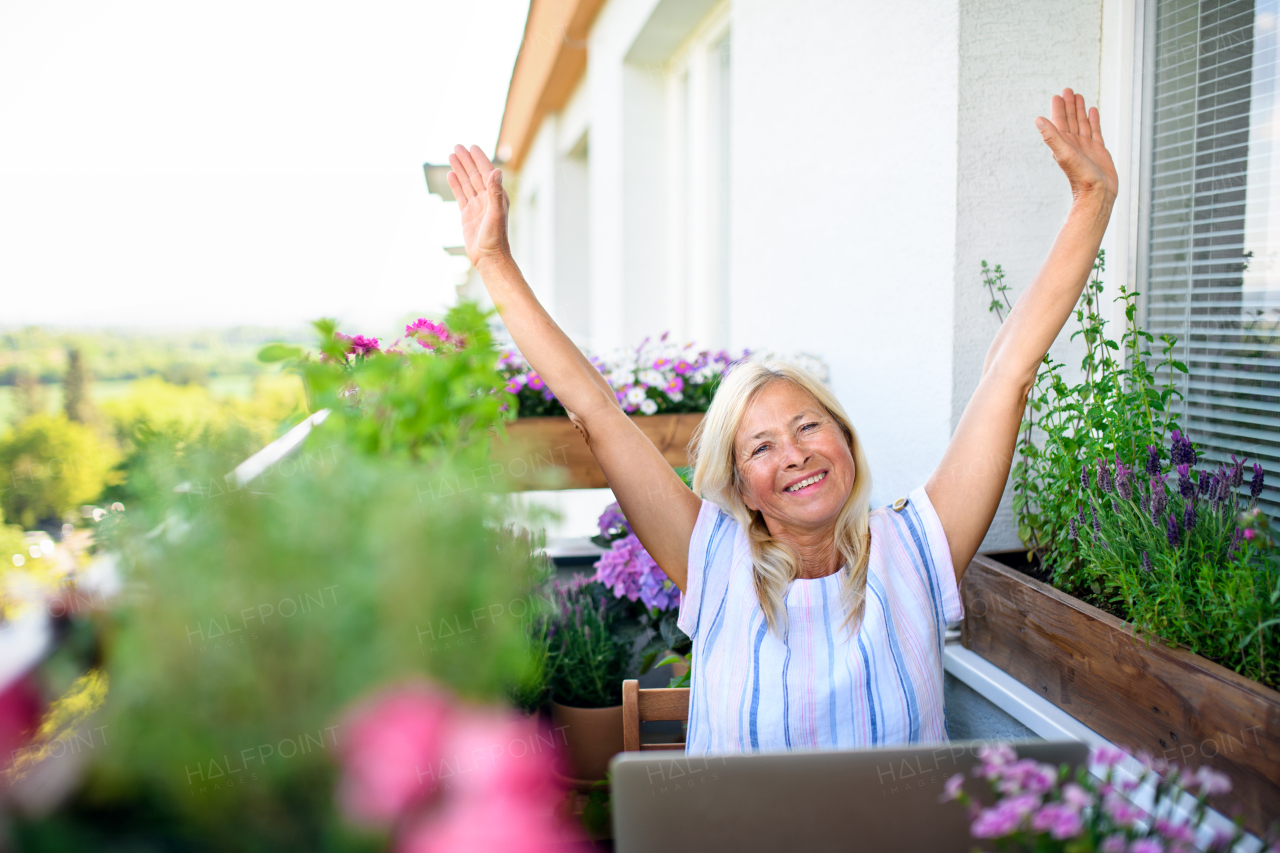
(1121,406)
(1119,519)
(1184,556)
(591,645)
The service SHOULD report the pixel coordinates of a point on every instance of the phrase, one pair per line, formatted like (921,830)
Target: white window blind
(1213,254)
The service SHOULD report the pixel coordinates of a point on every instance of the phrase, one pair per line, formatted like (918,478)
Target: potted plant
(590,646)
(1154,616)
(665,387)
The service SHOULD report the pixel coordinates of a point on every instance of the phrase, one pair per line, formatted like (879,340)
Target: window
(1212,259)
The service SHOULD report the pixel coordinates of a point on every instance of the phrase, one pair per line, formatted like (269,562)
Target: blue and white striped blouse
(818,687)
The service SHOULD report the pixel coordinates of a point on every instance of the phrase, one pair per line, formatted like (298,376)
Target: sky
(188,165)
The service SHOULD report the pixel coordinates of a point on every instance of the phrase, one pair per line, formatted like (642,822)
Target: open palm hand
(1074,135)
(477,186)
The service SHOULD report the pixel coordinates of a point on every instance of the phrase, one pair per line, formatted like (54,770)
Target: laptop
(879,800)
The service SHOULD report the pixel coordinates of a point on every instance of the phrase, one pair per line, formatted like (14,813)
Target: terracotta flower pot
(592,736)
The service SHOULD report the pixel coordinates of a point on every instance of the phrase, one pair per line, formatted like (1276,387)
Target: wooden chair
(666,703)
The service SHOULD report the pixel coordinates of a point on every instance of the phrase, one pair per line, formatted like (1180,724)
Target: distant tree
(75,388)
(29,395)
(51,466)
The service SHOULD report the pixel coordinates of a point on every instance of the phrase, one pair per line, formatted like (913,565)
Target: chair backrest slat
(663,703)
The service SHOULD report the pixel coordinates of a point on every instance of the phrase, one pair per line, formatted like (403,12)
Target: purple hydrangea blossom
(628,570)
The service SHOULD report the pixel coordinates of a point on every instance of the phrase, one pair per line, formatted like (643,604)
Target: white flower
(636,397)
(648,407)
(675,396)
(652,378)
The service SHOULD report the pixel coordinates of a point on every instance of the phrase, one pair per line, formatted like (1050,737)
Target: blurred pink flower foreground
(451,777)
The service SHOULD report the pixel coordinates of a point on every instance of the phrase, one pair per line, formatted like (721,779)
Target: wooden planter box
(549,453)
(1168,702)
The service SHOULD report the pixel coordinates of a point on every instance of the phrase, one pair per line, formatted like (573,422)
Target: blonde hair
(775,564)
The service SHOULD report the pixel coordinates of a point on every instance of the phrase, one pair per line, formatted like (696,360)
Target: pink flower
(1076,797)
(1059,820)
(1113,844)
(1004,817)
(500,824)
(1107,756)
(359,344)
(1211,782)
(682,367)
(1174,831)
(1250,533)
(1146,845)
(535,382)
(388,741)
(951,790)
(1123,812)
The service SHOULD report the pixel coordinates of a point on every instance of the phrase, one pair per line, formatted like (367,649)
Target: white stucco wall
(844,206)
(879,153)
(1011,197)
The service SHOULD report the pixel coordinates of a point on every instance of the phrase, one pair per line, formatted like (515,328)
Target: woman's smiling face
(794,462)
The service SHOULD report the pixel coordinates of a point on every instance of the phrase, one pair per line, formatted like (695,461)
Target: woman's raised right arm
(657,504)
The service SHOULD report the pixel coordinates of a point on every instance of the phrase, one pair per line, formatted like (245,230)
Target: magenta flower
(1146,845)
(1076,797)
(951,790)
(358,344)
(388,739)
(1107,756)
(535,382)
(1058,820)
(1120,810)
(1211,782)
(1113,844)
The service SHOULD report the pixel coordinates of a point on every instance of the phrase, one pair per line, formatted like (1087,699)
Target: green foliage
(593,642)
(51,466)
(75,388)
(267,611)
(412,404)
(1184,576)
(159,424)
(1117,409)
(1214,592)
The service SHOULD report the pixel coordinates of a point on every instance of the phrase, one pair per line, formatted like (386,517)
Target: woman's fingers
(459,195)
(1082,117)
(464,156)
(1049,133)
(459,174)
(1095,124)
(1058,112)
(482,161)
(1069,105)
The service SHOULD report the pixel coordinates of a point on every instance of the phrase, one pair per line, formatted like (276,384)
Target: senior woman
(817,622)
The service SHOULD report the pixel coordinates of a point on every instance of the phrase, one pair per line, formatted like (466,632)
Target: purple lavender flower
(1237,471)
(1124,480)
(1146,562)
(1159,497)
(1173,532)
(1215,488)
(1202,483)
(1073,530)
(1097,528)
(1145,503)
(1153,460)
(1104,476)
(1189,516)
(1186,488)
(1180,450)
(1084,478)
(1259,478)
(1237,536)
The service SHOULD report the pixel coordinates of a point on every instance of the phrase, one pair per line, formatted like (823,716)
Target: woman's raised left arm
(967,485)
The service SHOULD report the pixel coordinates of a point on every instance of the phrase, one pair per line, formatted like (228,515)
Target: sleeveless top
(818,686)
